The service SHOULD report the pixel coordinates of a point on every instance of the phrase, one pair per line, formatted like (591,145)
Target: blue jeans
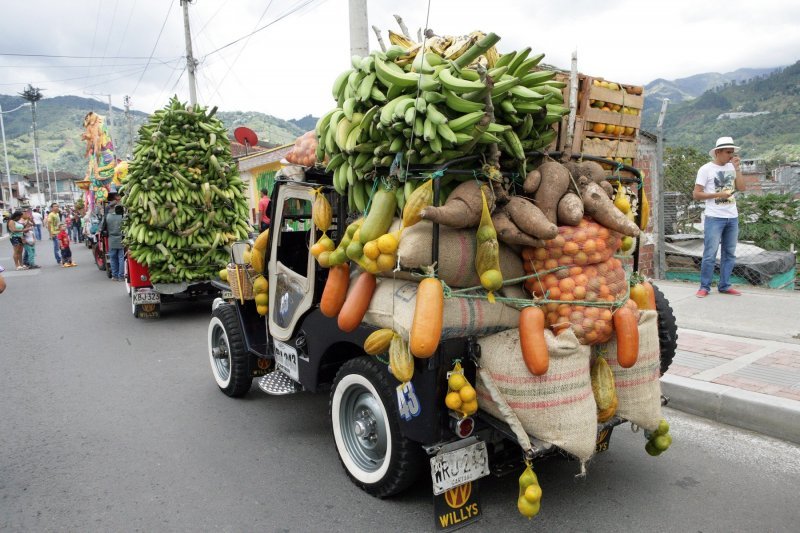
(56,249)
(718,231)
(37,231)
(117,260)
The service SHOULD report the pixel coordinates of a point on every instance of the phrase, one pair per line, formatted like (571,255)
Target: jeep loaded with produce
(184,203)
(467,294)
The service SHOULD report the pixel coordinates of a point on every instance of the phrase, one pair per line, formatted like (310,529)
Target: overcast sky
(286,70)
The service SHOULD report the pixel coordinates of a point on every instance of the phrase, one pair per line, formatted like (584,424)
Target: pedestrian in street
(716,183)
(112,225)
(77,235)
(2,279)
(53,222)
(263,210)
(16,228)
(28,240)
(63,241)
(37,223)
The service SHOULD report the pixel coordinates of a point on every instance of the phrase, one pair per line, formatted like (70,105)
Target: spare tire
(667,330)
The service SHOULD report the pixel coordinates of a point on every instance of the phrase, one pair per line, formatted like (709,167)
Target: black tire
(667,330)
(380,461)
(227,352)
(99,257)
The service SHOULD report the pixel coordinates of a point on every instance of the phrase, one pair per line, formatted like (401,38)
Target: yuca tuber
(463,207)
(532,181)
(593,171)
(599,206)
(606,186)
(574,169)
(530,218)
(570,210)
(509,233)
(555,181)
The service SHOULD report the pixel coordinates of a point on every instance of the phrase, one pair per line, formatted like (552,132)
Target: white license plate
(148,297)
(286,360)
(453,468)
(227,295)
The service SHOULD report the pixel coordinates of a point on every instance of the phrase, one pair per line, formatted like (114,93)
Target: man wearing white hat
(716,183)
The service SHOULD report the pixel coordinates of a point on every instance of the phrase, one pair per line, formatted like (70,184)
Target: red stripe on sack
(524,380)
(462,262)
(551,403)
(479,311)
(462,305)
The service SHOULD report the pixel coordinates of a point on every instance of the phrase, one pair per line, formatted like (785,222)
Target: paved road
(115,424)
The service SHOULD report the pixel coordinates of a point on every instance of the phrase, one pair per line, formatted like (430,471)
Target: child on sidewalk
(63,242)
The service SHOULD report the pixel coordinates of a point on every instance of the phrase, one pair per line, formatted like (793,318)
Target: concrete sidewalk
(738,358)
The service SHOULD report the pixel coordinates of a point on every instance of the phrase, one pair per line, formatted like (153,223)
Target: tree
(680,168)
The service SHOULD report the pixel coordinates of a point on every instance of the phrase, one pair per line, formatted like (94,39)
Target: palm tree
(32,95)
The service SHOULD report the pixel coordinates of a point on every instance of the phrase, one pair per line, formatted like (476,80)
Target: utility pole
(191,64)
(36,151)
(359,28)
(661,265)
(49,185)
(127,101)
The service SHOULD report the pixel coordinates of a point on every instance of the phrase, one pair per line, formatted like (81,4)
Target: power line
(291,11)
(12,54)
(166,18)
(127,23)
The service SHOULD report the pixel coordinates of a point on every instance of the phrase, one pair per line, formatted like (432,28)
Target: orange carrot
(531,338)
(335,290)
(627,337)
(357,302)
(426,329)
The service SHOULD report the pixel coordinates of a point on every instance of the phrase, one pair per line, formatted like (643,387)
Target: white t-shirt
(37,218)
(715,178)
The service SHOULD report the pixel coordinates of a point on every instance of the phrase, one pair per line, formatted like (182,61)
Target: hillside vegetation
(765,118)
(59,124)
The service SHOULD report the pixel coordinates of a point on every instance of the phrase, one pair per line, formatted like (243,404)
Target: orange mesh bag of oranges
(579,280)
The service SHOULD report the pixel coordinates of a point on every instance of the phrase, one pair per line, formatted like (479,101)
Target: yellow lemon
(527,508)
(467,393)
(327,243)
(456,381)
(453,401)
(492,280)
(260,285)
(469,408)
(324,259)
(371,250)
(223,274)
(388,243)
(262,299)
(533,493)
(262,309)
(386,262)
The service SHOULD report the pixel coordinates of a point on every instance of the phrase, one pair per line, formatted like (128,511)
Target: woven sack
(457,247)
(638,387)
(393,304)
(557,407)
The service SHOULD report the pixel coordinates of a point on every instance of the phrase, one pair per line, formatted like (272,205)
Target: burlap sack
(456,265)
(558,407)
(393,304)
(638,387)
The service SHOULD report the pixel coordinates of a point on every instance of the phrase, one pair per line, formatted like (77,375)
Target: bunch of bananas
(183,196)
(428,102)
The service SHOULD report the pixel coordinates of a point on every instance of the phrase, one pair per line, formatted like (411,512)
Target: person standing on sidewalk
(28,240)
(53,222)
(716,183)
(112,224)
(15,228)
(37,223)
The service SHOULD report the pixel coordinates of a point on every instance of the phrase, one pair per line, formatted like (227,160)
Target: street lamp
(5,150)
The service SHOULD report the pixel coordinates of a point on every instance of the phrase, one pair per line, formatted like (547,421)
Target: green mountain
(762,115)
(59,124)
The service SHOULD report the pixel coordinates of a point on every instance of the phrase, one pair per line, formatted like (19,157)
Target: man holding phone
(716,183)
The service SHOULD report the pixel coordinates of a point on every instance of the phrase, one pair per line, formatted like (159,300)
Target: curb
(769,415)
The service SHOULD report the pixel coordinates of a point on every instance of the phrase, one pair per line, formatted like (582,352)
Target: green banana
(458,85)
(461,105)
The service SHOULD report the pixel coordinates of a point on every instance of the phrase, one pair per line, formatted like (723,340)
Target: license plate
(146,297)
(456,467)
(286,360)
(227,295)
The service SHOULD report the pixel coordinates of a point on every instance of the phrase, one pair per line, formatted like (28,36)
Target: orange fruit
(598,127)
(610,128)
